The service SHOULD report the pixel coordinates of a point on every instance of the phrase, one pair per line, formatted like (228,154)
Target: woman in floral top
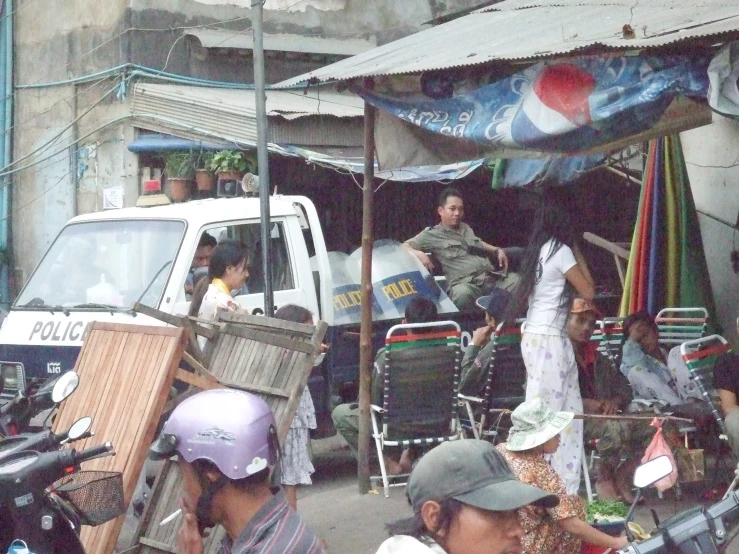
(227,272)
(562,529)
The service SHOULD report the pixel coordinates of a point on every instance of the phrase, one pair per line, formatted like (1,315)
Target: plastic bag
(658,447)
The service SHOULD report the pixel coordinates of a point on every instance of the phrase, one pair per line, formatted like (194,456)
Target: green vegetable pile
(602,511)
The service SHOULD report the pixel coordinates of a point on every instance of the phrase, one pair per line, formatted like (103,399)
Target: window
(249,234)
(114,263)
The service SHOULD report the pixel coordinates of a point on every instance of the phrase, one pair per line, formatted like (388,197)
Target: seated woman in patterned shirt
(562,529)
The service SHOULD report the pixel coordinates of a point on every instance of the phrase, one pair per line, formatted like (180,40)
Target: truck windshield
(101,264)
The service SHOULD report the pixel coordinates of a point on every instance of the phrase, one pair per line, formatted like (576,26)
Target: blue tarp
(555,171)
(557,106)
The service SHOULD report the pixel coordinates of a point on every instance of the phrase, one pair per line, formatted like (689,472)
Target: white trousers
(551,373)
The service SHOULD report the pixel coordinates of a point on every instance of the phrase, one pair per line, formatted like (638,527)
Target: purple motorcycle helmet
(232,429)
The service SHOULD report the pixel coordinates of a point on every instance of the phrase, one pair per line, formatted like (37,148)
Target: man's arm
(475,365)
(497,251)
(415,246)
(377,389)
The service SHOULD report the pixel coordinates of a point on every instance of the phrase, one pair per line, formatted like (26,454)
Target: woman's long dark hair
(552,221)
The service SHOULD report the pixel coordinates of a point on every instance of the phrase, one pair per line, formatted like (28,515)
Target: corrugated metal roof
(317,118)
(227,38)
(508,32)
(660,4)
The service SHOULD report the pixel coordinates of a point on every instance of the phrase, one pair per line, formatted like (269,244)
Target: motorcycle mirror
(79,428)
(645,475)
(652,471)
(65,386)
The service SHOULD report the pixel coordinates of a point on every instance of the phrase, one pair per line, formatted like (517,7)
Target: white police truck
(102,263)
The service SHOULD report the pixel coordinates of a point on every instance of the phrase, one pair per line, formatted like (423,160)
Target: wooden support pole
(365,334)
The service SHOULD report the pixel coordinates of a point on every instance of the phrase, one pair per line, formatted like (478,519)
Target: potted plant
(230,164)
(180,171)
(204,176)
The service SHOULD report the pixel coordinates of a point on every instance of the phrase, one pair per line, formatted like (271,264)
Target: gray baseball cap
(473,472)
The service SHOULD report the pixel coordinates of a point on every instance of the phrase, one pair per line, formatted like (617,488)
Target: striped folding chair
(700,356)
(611,338)
(505,382)
(678,325)
(597,338)
(421,384)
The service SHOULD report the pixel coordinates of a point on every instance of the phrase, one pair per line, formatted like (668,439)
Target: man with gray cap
(464,498)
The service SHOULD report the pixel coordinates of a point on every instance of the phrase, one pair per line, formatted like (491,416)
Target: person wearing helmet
(226,446)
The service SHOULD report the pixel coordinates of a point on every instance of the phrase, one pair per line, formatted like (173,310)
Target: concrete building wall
(712,158)
(52,46)
(43,196)
(380,21)
(65,179)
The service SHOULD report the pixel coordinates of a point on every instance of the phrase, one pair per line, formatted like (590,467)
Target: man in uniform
(477,357)
(463,256)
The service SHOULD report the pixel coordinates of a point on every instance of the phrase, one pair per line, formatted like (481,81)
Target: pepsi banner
(557,106)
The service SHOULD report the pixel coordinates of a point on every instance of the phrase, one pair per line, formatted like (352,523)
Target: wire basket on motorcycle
(96,496)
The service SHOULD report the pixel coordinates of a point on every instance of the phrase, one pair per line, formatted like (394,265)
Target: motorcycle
(45,440)
(17,413)
(698,530)
(44,498)
(37,517)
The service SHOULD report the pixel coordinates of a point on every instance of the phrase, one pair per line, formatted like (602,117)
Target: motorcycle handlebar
(94,452)
(696,530)
(652,545)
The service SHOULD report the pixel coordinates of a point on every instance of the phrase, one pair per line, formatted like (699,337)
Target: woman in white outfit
(553,272)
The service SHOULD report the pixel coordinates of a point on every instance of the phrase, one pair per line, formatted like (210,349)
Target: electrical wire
(66,147)
(52,187)
(139,71)
(66,100)
(16,10)
(44,193)
(51,141)
(166,30)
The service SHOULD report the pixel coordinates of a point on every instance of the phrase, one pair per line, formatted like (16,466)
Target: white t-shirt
(546,316)
(404,544)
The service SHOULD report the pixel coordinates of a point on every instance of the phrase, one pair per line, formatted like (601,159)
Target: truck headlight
(13,376)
